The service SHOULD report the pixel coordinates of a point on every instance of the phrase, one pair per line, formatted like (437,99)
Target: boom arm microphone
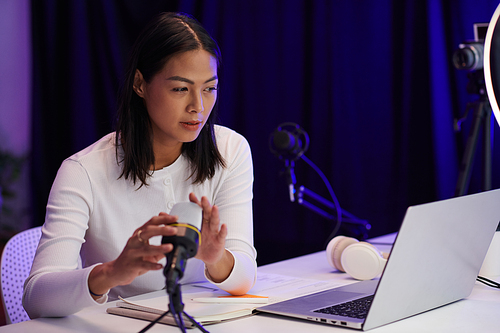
(288,142)
(185,242)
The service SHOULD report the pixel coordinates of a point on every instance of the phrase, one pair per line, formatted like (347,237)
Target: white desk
(478,313)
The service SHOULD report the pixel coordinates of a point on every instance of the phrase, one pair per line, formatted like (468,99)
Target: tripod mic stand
(176,308)
(173,271)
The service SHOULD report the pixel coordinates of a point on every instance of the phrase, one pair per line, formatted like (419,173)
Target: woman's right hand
(137,258)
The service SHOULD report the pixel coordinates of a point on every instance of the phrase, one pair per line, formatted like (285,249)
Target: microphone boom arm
(289,142)
(304,192)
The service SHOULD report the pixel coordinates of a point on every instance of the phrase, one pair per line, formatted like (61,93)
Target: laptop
(434,261)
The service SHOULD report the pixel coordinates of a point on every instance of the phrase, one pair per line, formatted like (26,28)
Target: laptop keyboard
(357,308)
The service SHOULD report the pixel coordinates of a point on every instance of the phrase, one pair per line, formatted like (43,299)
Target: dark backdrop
(371,82)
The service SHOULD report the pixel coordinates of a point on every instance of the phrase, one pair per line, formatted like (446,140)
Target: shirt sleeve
(234,200)
(56,286)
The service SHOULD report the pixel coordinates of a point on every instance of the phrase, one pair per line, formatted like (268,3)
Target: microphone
(289,142)
(286,141)
(185,242)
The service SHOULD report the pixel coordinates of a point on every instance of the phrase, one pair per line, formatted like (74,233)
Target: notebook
(434,261)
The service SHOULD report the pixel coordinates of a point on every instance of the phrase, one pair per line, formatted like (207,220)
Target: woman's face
(180,98)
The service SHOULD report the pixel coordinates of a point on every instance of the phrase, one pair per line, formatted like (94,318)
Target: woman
(166,149)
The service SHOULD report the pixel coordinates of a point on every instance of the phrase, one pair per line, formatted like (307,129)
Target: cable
(488,282)
(330,190)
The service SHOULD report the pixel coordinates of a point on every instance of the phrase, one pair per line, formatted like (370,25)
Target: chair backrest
(17,258)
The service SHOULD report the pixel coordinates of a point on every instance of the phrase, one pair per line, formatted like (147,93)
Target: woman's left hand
(211,250)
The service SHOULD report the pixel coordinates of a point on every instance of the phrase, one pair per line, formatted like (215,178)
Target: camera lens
(469,56)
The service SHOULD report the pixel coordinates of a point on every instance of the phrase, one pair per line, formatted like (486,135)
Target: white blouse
(91,213)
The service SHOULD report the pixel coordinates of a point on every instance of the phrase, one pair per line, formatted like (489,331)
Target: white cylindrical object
(188,212)
(491,263)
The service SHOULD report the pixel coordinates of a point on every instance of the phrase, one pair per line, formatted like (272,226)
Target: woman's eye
(211,89)
(180,89)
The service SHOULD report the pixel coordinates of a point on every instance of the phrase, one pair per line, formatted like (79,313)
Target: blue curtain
(371,82)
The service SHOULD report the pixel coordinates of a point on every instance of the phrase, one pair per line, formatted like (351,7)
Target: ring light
(492,63)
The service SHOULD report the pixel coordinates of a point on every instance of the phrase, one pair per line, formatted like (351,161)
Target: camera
(469,55)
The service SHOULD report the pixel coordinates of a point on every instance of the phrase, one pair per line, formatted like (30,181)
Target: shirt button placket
(169,193)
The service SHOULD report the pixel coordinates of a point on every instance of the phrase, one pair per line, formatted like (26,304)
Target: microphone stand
(173,272)
(358,226)
(347,217)
(362,226)
(176,308)
(289,142)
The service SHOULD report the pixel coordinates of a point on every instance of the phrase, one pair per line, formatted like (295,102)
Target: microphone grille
(188,212)
(284,141)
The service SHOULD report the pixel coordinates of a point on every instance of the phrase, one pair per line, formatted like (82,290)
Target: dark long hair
(165,36)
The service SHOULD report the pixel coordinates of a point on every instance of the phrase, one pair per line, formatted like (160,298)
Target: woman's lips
(191,125)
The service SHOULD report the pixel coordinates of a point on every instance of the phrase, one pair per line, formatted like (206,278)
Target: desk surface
(478,313)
